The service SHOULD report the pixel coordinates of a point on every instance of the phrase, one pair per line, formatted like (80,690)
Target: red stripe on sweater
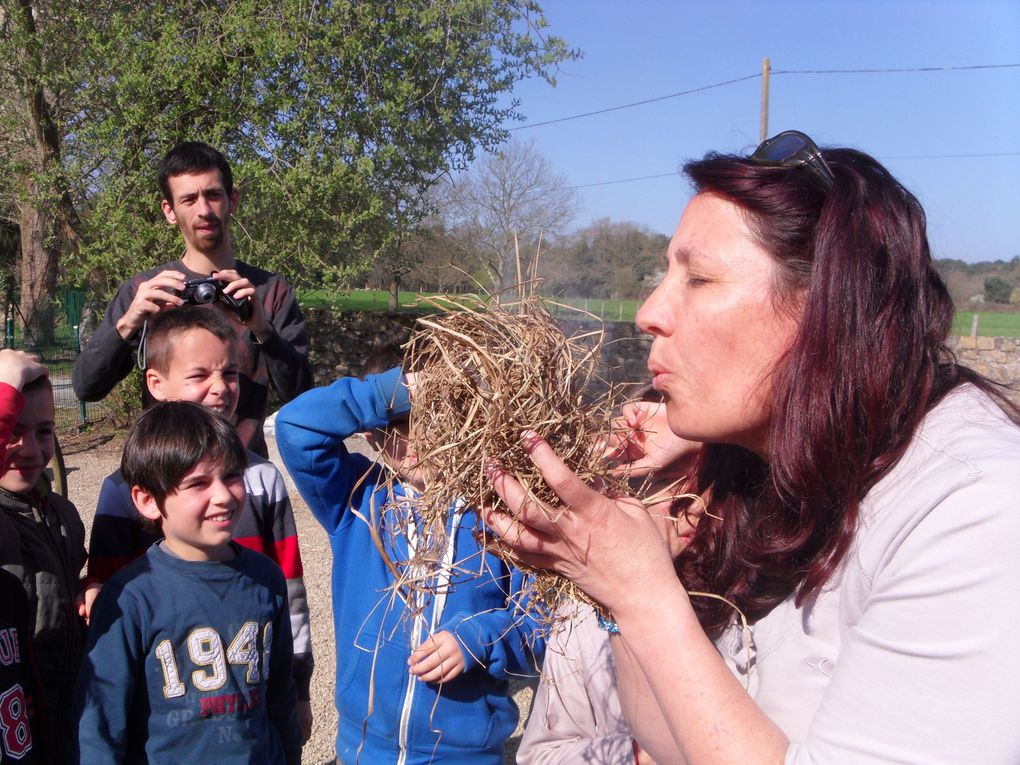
(102,568)
(284,551)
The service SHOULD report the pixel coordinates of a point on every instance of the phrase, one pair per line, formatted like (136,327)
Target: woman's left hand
(609,547)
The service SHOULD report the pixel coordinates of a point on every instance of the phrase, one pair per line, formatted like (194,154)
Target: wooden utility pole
(765,69)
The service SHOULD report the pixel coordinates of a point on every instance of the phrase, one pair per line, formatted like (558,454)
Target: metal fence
(58,354)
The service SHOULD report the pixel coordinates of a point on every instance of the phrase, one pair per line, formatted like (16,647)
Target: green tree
(35,48)
(323,108)
(429,259)
(997,290)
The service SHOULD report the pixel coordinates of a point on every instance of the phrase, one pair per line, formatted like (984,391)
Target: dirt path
(90,458)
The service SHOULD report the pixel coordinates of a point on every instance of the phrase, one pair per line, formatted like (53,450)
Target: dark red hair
(868,362)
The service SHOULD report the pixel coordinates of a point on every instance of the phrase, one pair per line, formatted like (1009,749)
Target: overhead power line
(897,69)
(627,180)
(757,75)
(637,103)
(676,173)
(957,156)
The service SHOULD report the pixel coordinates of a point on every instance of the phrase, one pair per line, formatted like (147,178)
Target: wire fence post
(83,415)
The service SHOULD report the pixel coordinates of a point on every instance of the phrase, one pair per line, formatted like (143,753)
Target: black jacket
(42,542)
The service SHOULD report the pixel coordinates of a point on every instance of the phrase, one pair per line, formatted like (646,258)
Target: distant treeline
(605,260)
(989,282)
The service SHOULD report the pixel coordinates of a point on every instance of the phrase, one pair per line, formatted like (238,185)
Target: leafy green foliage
(335,116)
(966,280)
(124,403)
(997,290)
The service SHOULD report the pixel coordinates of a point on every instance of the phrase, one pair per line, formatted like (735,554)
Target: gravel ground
(91,457)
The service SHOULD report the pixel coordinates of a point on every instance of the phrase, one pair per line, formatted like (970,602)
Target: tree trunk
(40,253)
(395,293)
(507,277)
(43,202)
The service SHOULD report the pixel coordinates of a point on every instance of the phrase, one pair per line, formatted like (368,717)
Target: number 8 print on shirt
(21,737)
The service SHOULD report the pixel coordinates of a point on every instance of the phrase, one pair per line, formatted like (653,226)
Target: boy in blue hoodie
(431,687)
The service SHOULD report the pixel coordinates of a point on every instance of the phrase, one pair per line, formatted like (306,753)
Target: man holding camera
(199,197)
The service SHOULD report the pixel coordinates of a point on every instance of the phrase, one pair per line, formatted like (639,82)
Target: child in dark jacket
(432,688)
(23,740)
(42,543)
(189,647)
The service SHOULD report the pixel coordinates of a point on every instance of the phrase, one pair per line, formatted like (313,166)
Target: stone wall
(997,358)
(342,341)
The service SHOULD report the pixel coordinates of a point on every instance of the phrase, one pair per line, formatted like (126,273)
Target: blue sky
(912,121)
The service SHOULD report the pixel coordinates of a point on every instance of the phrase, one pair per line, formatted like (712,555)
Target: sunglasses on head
(791,148)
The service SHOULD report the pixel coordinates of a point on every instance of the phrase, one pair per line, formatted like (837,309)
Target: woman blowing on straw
(862,489)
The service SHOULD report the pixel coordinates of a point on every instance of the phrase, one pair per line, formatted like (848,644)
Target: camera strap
(143,336)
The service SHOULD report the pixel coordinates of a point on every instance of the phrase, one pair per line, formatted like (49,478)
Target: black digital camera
(202,291)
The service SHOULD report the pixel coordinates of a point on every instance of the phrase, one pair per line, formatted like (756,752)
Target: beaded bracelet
(608,625)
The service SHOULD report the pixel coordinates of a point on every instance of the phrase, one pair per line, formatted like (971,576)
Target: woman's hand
(609,547)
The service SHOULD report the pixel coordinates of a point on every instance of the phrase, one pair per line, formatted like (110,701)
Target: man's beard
(206,242)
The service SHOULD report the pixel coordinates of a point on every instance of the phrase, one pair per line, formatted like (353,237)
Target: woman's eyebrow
(680,254)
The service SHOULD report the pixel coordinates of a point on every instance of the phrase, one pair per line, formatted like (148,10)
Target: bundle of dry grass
(484,373)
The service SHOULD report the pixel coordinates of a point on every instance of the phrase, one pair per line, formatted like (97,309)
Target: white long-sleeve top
(909,655)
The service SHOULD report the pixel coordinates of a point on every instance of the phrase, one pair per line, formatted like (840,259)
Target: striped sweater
(266,525)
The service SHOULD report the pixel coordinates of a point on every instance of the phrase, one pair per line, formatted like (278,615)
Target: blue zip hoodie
(386,714)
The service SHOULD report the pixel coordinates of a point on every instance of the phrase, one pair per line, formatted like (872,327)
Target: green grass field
(991,324)
(355,300)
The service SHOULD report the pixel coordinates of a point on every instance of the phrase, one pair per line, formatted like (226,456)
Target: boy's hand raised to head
(438,660)
(642,443)
(411,383)
(18,368)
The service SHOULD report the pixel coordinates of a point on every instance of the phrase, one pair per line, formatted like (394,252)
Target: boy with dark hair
(189,650)
(432,688)
(190,355)
(42,543)
(199,198)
